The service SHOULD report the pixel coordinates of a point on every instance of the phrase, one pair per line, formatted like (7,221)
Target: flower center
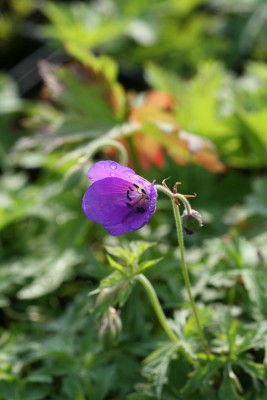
(137,197)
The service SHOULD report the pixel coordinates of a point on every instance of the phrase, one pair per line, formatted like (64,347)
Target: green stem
(178,196)
(163,190)
(132,153)
(179,229)
(231,295)
(101,143)
(157,307)
(185,202)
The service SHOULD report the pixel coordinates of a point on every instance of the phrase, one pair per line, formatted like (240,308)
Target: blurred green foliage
(209,59)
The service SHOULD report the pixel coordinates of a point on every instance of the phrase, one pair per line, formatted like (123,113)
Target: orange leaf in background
(148,151)
(201,150)
(161,100)
(152,106)
(160,131)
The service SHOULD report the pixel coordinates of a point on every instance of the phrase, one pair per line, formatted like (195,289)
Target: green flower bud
(110,327)
(107,296)
(191,222)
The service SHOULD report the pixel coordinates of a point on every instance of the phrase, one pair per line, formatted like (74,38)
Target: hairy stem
(174,198)
(157,307)
(179,229)
(102,143)
(185,202)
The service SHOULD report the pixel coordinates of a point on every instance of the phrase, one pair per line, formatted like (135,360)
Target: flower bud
(110,327)
(107,296)
(191,222)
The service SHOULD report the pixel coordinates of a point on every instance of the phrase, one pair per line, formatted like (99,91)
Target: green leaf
(139,247)
(148,264)
(10,103)
(121,283)
(104,64)
(250,95)
(73,177)
(34,392)
(116,265)
(255,281)
(156,366)
(88,28)
(130,253)
(229,386)
(113,279)
(72,388)
(90,92)
(233,115)
(137,396)
(52,272)
(106,68)
(8,390)
(122,252)
(88,100)
(255,370)
(202,375)
(257,200)
(163,80)
(9,97)
(205,118)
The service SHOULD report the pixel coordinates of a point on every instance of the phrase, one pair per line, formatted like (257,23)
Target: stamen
(139,196)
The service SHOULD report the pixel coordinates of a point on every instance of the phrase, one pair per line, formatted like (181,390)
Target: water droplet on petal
(113,165)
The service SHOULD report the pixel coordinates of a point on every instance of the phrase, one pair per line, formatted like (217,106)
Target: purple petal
(152,200)
(105,202)
(107,169)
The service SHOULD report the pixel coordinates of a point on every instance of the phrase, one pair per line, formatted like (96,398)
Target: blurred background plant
(181,85)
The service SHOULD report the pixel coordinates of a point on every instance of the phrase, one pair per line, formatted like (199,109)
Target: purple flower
(118,199)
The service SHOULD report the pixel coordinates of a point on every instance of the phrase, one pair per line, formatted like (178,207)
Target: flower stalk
(157,307)
(179,229)
(103,143)
(175,197)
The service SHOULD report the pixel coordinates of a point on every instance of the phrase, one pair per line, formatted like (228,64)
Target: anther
(128,196)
